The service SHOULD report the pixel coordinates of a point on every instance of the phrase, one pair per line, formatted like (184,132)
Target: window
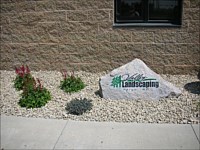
(147,12)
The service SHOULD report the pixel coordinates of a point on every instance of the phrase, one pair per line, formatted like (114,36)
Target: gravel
(181,110)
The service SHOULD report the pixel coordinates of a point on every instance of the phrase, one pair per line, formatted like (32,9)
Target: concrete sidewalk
(32,133)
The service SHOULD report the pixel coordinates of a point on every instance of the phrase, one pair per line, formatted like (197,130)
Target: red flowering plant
(23,73)
(34,95)
(70,82)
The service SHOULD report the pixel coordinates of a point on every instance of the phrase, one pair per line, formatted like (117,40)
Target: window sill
(145,25)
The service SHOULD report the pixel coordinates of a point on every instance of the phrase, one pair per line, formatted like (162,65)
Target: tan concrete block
(86,4)
(31,47)
(91,37)
(148,59)
(135,49)
(48,32)
(124,51)
(51,49)
(13,29)
(66,27)
(103,37)
(166,29)
(79,48)
(175,48)
(105,4)
(154,49)
(54,16)
(120,37)
(35,18)
(6,65)
(111,15)
(98,15)
(61,58)
(140,37)
(193,48)
(188,59)
(88,27)
(87,49)
(164,59)
(8,8)
(19,18)
(194,3)
(7,54)
(194,26)
(187,37)
(19,38)
(89,67)
(157,68)
(6,38)
(77,37)
(65,5)
(183,69)
(191,14)
(122,58)
(105,26)
(67,48)
(101,57)
(25,6)
(186,3)
(45,5)
(5,19)
(165,37)
(77,15)
(111,48)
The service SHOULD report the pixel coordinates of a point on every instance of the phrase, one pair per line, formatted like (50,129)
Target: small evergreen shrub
(70,83)
(79,106)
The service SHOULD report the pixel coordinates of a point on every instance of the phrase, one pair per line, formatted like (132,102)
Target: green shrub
(33,95)
(71,83)
(35,98)
(79,106)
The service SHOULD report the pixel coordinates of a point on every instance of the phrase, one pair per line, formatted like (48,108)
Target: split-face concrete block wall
(79,34)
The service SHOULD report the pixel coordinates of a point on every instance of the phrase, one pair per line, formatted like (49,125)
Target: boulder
(134,81)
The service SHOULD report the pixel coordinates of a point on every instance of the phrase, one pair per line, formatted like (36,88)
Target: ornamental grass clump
(34,95)
(70,83)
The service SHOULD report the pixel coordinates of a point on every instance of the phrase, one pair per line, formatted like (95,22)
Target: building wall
(78,34)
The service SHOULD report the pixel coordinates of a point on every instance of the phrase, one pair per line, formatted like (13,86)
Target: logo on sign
(134,81)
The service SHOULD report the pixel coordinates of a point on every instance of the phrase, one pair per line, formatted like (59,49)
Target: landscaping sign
(134,81)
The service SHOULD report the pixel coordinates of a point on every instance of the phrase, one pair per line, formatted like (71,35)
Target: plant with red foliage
(23,73)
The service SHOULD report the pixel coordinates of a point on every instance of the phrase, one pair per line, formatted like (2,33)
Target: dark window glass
(148,11)
(163,10)
(129,10)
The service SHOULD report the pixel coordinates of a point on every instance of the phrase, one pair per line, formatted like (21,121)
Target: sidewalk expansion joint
(195,133)
(60,135)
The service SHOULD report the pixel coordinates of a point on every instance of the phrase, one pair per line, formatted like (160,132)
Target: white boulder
(135,80)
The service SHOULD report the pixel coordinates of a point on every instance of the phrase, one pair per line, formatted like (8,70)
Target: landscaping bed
(179,110)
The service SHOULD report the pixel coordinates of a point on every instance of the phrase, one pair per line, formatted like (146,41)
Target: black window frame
(146,22)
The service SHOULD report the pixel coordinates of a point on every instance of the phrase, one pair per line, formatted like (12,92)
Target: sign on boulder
(135,80)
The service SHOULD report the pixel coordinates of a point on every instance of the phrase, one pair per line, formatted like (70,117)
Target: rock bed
(179,110)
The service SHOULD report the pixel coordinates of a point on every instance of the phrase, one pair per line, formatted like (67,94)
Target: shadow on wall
(194,87)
